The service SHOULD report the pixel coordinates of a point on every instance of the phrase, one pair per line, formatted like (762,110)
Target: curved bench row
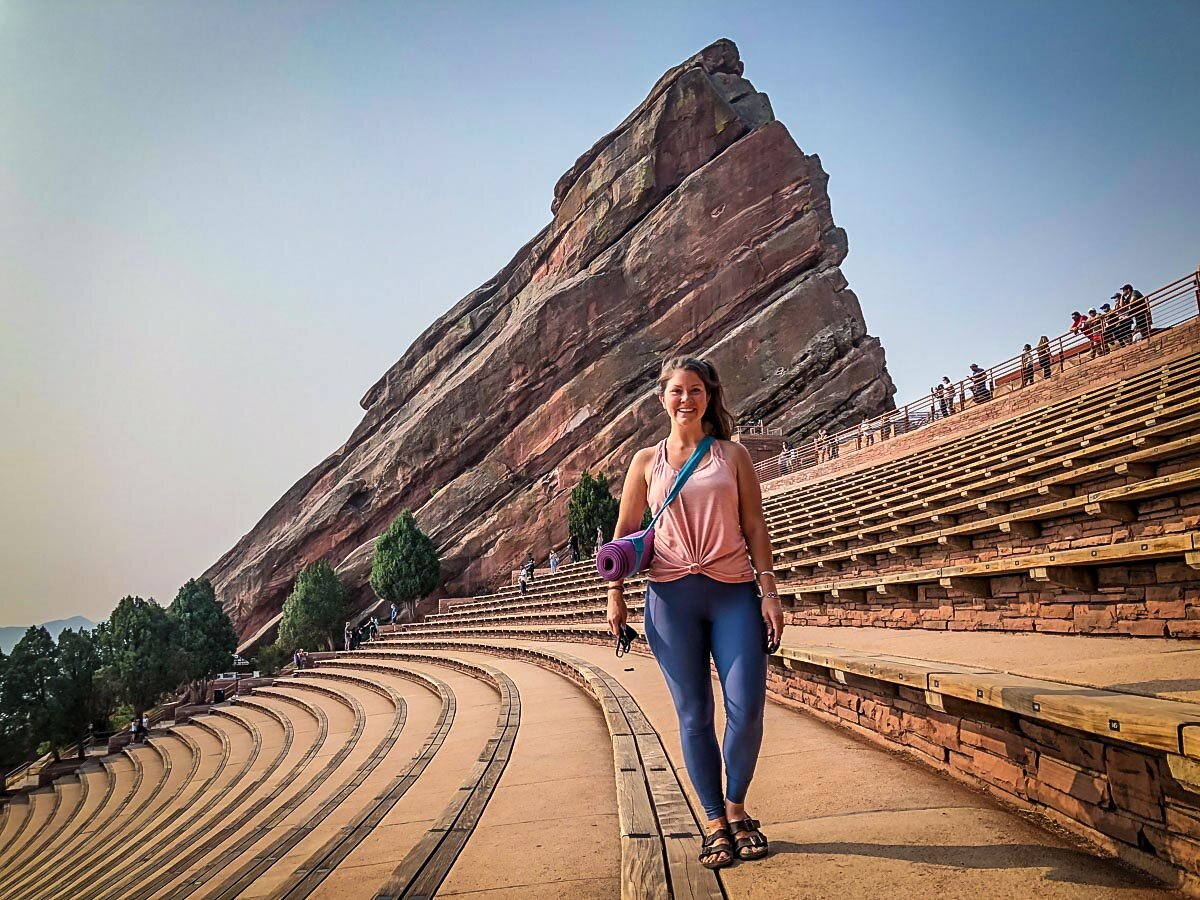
(660,837)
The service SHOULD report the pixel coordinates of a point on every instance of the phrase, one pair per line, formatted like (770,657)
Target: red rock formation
(696,226)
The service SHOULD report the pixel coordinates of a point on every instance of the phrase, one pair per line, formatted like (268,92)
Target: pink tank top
(701,532)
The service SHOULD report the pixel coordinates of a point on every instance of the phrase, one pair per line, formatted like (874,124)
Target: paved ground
(847,819)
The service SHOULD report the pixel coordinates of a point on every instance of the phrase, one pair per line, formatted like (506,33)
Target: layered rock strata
(696,226)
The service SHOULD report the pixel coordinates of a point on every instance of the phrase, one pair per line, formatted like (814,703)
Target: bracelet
(770,572)
(617,587)
(771,595)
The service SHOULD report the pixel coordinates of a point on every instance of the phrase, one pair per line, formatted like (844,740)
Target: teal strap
(681,479)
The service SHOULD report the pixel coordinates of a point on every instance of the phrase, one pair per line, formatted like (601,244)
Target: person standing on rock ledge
(702,605)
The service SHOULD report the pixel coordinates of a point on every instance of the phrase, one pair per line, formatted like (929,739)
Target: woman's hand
(772,611)
(618,612)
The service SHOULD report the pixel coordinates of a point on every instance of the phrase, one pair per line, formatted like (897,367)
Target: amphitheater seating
(500,747)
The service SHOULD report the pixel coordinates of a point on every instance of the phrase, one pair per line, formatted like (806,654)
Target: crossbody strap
(684,474)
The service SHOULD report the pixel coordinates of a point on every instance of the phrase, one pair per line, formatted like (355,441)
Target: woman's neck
(687,436)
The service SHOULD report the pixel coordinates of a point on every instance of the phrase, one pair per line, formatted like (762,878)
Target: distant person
(1109,325)
(1093,330)
(943,403)
(1139,308)
(133,729)
(784,459)
(979,385)
(573,549)
(529,566)
(523,583)
(948,387)
(831,446)
(1026,365)
(374,627)
(599,539)
(348,634)
(822,445)
(145,727)
(298,660)
(1123,316)
(553,561)
(1043,355)
(885,425)
(393,613)
(1078,322)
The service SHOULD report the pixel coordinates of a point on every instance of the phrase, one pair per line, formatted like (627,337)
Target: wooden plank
(1190,741)
(681,833)
(1148,721)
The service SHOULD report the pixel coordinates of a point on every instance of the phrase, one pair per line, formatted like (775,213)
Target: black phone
(769,646)
(625,638)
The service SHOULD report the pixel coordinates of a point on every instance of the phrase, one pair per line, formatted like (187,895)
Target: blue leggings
(689,621)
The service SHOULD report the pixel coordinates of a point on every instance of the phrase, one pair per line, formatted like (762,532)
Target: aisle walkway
(847,819)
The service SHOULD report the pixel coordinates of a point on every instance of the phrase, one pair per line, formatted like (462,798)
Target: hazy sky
(220,223)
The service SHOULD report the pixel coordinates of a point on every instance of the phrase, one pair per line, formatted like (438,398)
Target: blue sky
(220,223)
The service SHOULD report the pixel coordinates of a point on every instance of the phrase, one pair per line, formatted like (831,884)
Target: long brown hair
(717,419)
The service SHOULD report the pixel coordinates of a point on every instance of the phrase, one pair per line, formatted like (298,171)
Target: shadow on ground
(1061,864)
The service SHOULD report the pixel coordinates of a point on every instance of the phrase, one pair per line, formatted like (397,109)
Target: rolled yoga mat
(625,556)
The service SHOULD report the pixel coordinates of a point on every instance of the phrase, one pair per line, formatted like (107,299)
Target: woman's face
(685,398)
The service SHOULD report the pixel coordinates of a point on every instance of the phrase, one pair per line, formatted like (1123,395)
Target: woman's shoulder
(733,450)
(645,456)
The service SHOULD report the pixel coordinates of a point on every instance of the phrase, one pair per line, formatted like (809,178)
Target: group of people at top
(1115,326)
(368,630)
(571,551)
(139,728)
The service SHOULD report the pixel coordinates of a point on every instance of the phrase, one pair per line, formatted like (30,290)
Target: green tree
(315,611)
(30,669)
(405,567)
(140,661)
(204,635)
(11,725)
(78,698)
(591,506)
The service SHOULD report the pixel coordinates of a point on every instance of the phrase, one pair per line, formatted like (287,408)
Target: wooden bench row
(1169,725)
(660,837)
(997,443)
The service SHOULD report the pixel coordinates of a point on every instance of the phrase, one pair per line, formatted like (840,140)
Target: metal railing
(1171,305)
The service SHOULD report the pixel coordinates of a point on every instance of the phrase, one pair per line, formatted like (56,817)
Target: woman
(1043,354)
(701,600)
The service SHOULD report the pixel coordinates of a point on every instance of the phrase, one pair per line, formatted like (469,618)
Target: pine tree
(315,611)
(203,633)
(405,567)
(591,506)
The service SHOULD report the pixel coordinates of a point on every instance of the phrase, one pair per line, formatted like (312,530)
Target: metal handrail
(1170,305)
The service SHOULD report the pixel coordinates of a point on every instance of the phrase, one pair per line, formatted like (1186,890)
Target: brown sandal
(749,843)
(716,851)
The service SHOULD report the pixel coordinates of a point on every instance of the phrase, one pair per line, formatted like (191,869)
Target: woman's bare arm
(633,495)
(629,520)
(758,540)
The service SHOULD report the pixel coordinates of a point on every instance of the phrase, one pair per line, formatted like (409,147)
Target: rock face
(696,226)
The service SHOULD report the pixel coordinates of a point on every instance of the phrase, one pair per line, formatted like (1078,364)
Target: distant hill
(10,635)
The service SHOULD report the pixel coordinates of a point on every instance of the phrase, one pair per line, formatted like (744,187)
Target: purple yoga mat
(620,558)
